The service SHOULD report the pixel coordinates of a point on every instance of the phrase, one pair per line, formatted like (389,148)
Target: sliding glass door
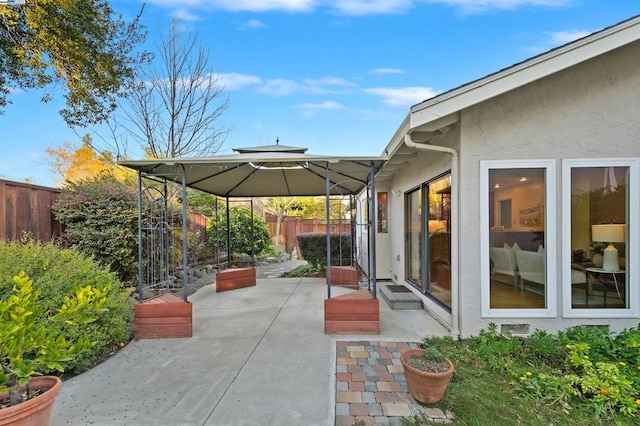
(428,239)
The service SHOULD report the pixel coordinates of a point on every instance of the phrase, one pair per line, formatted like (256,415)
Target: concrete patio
(258,356)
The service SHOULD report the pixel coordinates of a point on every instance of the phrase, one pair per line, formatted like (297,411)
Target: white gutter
(455,225)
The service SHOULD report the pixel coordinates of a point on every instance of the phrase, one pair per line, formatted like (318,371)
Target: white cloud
(563,37)
(326,85)
(558,38)
(371,7)
(356,7)
(403,97)
(285,87)
(310,109)
(478,6)
(236,81)
(184,15)
(243,5)
(252,24)
(387,71)
(279,87)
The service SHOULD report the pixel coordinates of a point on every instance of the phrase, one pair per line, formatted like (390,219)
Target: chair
(504,263)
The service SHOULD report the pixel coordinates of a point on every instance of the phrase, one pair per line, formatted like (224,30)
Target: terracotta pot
(36,411)
(424,386)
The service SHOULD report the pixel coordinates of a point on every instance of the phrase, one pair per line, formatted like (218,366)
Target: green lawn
(583,376)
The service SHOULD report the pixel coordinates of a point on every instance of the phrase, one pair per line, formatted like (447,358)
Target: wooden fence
(26,208)
(292,226)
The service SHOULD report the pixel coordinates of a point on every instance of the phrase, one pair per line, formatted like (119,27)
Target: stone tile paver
(371,387)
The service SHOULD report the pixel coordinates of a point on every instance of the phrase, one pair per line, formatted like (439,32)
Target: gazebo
(262,171)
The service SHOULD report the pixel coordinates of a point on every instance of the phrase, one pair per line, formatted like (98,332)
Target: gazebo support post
(140,260)
(185,260)
(253,238)
(228,237)
(328,217)
(372,231)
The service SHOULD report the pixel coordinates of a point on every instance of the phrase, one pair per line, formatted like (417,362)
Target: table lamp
(611,233)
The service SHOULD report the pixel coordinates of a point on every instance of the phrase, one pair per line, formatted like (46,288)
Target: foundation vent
(515,328)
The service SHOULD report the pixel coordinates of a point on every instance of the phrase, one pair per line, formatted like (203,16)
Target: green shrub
(100,219)
(313,248)
(57,272)
(240,231)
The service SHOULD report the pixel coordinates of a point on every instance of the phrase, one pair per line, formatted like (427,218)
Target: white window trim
(632,246)
(550,238)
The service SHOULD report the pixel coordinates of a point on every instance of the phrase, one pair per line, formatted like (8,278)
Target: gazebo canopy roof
(267,171)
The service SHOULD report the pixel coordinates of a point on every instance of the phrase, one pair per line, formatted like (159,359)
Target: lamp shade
(611,233)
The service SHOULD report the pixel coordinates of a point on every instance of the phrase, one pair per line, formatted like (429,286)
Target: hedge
(56,272)
(313,248)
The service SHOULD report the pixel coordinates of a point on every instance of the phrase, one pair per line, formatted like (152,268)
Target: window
(599,237)
(518,238)
(428,239)
(383,222)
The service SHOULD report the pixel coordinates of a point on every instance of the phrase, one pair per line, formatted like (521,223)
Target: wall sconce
(396,192)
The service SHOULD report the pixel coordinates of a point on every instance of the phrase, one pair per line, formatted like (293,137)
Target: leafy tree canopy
(240,231)
(72,165)
(80,42)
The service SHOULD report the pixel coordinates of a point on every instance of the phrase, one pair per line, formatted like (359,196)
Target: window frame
(549,165)
(632,231)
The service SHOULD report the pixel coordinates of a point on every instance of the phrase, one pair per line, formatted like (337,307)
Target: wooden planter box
(352,313)
(231,279)
(346,276)
(165,315)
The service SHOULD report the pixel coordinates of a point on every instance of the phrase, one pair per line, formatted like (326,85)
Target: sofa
(525,265)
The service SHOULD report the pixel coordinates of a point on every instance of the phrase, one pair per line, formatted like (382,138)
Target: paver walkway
(371,386)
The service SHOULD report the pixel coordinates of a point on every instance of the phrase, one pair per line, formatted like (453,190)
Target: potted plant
(30,345)
(427,372)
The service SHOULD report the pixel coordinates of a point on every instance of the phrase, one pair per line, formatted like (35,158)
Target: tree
(100,219)
(241,236)
(202,202)
(73,164)
(280,207)
(316,207)
(175,109)
(80,42)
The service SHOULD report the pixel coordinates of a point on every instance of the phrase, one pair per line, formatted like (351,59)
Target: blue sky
(335,76)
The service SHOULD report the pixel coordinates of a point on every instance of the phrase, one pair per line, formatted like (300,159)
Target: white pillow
(540,248)
(515,247)
(507,246)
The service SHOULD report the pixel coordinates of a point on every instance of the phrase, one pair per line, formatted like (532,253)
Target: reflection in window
(430,269)
(414,232)
(517,249)
(439,237)
(599,214)
(383,222)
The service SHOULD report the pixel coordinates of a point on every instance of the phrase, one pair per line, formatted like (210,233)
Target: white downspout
(455,226)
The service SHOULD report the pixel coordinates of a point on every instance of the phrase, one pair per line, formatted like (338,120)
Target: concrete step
(399,297)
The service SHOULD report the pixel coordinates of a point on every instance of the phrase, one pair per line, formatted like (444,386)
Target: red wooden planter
(344,276)
(352,313)
(231,279)
(165,315)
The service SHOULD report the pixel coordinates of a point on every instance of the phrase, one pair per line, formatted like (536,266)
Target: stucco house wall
(420,167)
(587,111)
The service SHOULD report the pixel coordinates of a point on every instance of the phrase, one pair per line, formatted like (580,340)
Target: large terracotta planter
(424,386)
(36,411)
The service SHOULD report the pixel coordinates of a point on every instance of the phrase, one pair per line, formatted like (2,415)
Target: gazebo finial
(277,140)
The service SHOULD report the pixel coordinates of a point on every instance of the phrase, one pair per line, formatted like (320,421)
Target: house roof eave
(424,115)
